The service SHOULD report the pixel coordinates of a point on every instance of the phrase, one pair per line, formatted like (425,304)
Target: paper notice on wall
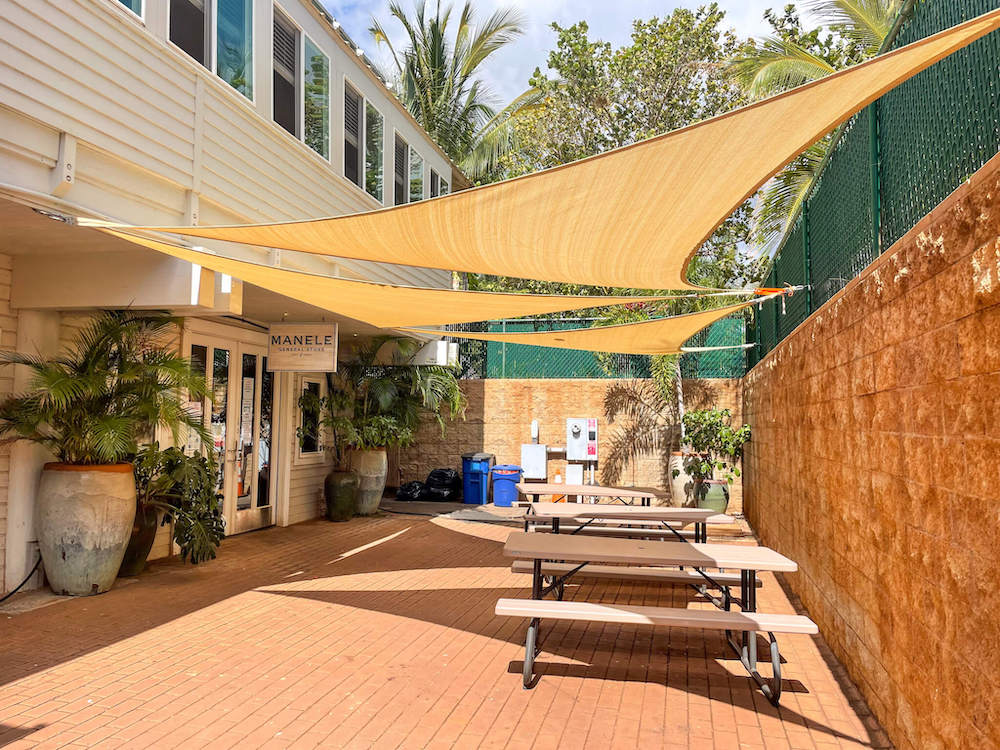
(246,411)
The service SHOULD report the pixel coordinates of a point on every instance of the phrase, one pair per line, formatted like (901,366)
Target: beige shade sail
(384,305)
(633,217)
(662,336)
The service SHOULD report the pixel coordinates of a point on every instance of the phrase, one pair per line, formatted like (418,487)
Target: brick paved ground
(295,638)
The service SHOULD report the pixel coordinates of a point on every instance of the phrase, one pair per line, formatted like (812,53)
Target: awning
(662,336)
(384,305)
(633,217)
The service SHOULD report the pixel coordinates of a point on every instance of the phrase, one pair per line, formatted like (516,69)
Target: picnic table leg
(531,638)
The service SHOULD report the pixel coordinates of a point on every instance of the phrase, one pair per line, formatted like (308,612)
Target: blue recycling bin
(476,477)
(505,479)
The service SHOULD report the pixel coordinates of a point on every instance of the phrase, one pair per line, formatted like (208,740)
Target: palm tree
(436,79)
(780,62)
(96,402)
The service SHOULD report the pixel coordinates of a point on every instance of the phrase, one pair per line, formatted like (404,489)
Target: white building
(165,112)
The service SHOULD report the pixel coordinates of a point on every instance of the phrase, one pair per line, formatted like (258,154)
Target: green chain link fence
(488,359)
(891,165)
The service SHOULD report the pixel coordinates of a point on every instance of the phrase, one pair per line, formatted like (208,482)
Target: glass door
(252,433)
(239,417)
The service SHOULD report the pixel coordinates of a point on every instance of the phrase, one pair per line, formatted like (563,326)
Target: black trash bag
(412,491)
(444,486)
(444,494)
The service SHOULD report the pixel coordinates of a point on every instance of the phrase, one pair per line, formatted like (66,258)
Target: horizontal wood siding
(305,493)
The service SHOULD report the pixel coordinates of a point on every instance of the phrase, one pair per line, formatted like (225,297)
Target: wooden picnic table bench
(553,514)
(562,556)
(621,494)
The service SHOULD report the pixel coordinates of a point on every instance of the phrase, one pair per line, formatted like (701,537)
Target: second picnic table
(621,494)
(554,513)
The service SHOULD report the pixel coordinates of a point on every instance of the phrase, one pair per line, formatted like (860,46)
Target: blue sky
(508,71)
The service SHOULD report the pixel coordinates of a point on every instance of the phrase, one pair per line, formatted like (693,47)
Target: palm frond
(775,66)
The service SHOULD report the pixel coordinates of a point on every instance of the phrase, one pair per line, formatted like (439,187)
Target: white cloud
(507,72)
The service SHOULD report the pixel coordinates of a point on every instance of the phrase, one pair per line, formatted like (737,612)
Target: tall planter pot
(713,494)
(147,521)
(371,466)
(340,489)
(85,516)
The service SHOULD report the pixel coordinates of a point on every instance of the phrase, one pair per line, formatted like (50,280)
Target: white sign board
(302,347)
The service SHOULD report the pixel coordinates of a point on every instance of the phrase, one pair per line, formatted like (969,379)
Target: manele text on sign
(302,347)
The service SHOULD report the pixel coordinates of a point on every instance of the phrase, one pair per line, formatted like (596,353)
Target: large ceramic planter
(144,528)
(682,486)
(340,489)
(371,467)
(713,494)
(85,516)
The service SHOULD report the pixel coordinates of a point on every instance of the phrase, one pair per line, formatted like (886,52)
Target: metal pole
(873,137)
(806,257)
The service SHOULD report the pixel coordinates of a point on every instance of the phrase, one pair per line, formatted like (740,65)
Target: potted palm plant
(716,449)
(173,486)
(90,407)
(378,399)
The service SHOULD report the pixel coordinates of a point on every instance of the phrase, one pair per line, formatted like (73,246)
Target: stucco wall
(874,465)
(498,420)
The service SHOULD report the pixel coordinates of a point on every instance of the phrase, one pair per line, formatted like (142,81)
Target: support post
(806,257)
(875,172)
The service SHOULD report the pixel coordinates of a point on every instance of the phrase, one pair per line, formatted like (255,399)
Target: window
(401,169)
(234,44)
(444,187)
(133,5)
(435,184)
(309,418)
(352,135)
(189,28)
(317,100)
(374,149)
(285,102)
(416,176)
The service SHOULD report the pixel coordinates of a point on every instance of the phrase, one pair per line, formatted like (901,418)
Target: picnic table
(587,514)
(575,553)
(619,494)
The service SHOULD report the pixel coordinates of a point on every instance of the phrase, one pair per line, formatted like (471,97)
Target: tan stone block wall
(498,420)
(874,466)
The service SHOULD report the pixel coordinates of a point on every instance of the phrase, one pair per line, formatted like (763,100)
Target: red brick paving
(283,643)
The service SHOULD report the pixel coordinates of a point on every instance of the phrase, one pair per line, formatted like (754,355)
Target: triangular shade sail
(383,305)
(633,217)
(662,336)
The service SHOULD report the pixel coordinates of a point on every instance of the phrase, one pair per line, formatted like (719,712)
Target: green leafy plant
(94,403)
(717,445)
(182,487)
(379,397)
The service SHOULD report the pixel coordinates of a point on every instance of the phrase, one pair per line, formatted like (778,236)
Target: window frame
(305,458)
(368,103)
(211,64)
(299,73)
(328,157)
(141,15)
(423,176)
(361,135)
(444,187)
(433,178)
(406,168)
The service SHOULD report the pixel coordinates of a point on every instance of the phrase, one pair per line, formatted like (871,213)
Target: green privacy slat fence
(892,164)
(482,359)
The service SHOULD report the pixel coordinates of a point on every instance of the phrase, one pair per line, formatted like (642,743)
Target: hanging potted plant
(717,450)
(377,400)
(89,407)
(172,486)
